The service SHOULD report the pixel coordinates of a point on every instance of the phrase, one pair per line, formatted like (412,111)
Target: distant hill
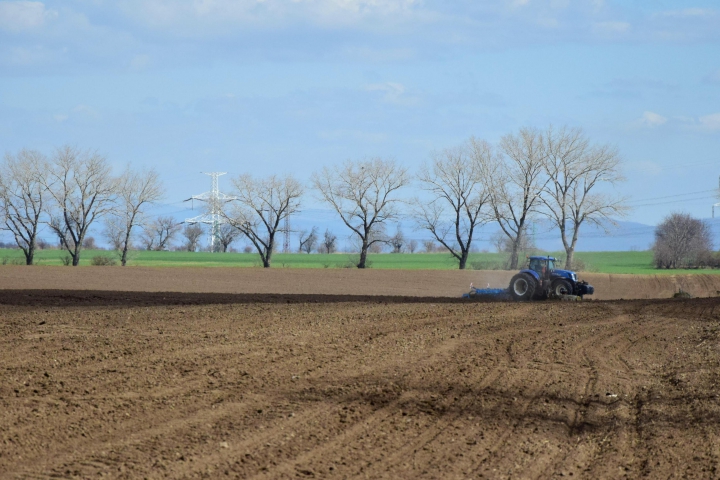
(623,237)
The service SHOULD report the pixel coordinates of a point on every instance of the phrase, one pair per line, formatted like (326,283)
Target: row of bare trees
(68,192)
(552,173)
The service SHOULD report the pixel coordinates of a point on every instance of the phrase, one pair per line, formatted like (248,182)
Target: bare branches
(682,241)
(575,168)
(518,181)
(308,240)
(157,234)
(192,233)
(136,191)
(329,241)
(261,206)
(456,181)
(23,197)
(227,235)
(363,194)
(83,189)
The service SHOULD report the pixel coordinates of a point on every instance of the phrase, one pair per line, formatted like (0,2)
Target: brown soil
(105,381)
(415,283)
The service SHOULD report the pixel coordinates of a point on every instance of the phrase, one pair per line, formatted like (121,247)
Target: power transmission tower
(286,228)
(215,200)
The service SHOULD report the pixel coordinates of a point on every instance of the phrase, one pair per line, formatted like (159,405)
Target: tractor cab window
(536,265)
(551,264)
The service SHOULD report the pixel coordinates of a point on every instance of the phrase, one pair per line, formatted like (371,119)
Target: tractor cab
(543,266)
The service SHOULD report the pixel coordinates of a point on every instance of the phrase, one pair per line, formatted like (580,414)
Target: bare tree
(83,190)
(308,240)
(329,242)
(518,180)
(227,234)
(682,241)
(115,232)
(192,233)
(157,234)
(260,208)
(89,243)
(429,246)
(397,241)
(575,168)
(363,194)
(136,191)
(456,182)
(376,247)
(23,195)
(503,244)
(412,246)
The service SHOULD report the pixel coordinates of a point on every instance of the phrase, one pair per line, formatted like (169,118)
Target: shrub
(682,241)
(582,266)
(102,261)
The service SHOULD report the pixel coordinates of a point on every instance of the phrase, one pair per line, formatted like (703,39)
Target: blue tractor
(542,280)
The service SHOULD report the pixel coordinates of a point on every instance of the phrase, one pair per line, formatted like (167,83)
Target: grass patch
(601,262)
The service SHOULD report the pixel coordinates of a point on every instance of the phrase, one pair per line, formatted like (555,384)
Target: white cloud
(21,56)
(651,119)
(612,27)
(393,93)
(263,13)
(18,16)
(690,13)
(710,122)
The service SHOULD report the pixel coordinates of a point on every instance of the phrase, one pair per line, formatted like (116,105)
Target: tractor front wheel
(561,287)
(522,287)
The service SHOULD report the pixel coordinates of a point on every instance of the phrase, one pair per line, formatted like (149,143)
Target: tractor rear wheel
(561,287)
(522,287)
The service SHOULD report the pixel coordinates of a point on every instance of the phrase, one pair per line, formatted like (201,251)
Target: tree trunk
(30,254)
(463,259)
(123,258)
(570,253)
(570,249)
(514,254)
(363,255)
(268,252)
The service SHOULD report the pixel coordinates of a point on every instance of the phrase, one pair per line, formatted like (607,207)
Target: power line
(214,199)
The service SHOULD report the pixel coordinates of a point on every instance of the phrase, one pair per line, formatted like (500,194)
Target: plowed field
(113,383)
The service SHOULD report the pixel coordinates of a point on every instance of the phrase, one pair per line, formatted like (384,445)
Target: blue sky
(268,86)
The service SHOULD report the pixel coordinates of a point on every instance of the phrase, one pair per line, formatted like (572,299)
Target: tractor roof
(543,257)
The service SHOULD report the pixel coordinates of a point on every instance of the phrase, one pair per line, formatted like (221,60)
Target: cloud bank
(140,34)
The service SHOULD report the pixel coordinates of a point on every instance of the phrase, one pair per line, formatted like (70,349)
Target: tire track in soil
(379,416)
(627,442)
(373,423)
(518,384)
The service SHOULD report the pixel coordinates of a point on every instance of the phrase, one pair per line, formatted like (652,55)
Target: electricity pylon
(286,230)
(215,200)
(717,204)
